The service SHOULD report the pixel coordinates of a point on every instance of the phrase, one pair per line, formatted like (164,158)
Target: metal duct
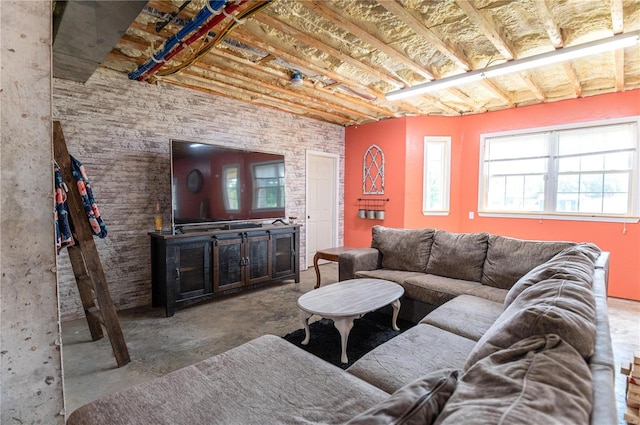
(85,32)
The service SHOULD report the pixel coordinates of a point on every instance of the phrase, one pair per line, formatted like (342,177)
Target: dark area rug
(367,333)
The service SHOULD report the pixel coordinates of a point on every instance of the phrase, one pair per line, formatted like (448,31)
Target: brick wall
(121,131)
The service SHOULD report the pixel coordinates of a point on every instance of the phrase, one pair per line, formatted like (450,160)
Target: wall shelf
(372,208)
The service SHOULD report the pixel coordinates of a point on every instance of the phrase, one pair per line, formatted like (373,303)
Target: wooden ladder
(85,261)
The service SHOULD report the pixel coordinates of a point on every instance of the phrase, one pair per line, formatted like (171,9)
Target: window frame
(446,176)
(551,189)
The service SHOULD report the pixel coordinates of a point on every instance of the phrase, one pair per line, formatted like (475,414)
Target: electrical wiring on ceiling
(174,44)
(217,39)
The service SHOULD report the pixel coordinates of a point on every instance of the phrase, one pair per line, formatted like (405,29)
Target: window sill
(438,213)
(595,218)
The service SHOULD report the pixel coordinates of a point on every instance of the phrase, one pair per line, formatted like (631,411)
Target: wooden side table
(329,254)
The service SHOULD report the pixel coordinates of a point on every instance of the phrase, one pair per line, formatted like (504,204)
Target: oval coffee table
(345,301)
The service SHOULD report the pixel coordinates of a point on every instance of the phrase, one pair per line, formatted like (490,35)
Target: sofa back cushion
(417,403)
(553,306)
(539,380)
(458,255)
(509,259)
(573,263)
(403,249)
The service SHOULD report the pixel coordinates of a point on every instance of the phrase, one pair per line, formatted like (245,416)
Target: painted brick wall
(121,131)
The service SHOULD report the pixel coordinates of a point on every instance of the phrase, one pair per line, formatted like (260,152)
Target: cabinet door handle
(177,273)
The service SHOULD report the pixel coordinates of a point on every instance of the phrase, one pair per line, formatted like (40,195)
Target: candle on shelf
(158,218)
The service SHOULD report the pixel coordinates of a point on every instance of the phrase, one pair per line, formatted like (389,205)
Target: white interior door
(322,203)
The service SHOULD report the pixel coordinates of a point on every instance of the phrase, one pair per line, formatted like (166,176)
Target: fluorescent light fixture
(561,55)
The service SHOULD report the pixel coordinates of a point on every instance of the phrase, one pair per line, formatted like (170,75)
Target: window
(587,170)
(231,187)
(268,185)
(437,171)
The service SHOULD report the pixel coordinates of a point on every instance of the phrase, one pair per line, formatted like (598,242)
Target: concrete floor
(158,345)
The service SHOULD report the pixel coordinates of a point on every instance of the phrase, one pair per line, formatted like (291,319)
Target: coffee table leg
(305,322)
(396,309)
(344,325)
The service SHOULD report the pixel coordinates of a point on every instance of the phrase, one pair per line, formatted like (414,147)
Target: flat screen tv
(214,184)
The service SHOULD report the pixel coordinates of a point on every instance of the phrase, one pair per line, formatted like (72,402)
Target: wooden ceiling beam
(324,10)
(619,69)
(488,28)
(573,78)
(265,59)
(407,107)
(345,84)
(328,89)
(535,89)
(302,95)
(311,96)
(238,93)
(253,41)
(492,87)
(554,33)
(473,104)
(269,103)
(617,16)
(259,76)
(443,107)
(617,24)
(453,54)
(321,46)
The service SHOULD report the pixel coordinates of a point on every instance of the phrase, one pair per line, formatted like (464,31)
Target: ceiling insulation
(351,53)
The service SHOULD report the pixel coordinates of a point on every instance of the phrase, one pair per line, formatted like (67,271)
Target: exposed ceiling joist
(350,54)
(544,13)
(573,78)
(326,10)
(488,28)
(455,55)
(318,44)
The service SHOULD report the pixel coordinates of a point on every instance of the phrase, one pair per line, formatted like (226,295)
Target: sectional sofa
(516,332)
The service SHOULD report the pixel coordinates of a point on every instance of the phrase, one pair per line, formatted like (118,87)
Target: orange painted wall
(624,279)
(389,135)
(417,129)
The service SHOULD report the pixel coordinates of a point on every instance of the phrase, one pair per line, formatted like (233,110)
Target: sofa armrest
(355,260)
(603,263)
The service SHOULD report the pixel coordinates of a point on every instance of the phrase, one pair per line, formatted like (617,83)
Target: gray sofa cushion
(465,315)
(393,275)
(539,380)
(509,259)
(417,403)
(458,255)
(265,381)
(403,249)
(437,290)
(573,263)
(489,292)
(410,355)
(552,306)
